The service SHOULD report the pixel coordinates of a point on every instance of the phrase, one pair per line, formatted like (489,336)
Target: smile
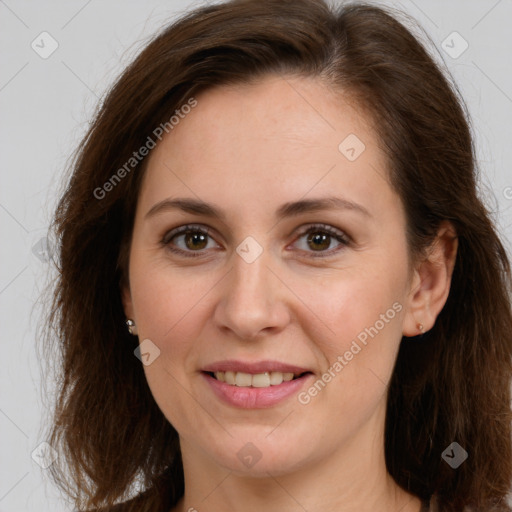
(258,380)
(254,385)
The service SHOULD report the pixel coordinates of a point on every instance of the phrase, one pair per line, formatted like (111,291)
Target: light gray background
(45,106)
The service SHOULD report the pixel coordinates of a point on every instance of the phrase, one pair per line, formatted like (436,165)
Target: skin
(248,149)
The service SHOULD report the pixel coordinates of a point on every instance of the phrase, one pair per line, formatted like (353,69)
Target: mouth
(255,385)
(257,380)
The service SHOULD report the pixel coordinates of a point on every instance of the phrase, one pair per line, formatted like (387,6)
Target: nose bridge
(249,286)
(250,272)
(250,299)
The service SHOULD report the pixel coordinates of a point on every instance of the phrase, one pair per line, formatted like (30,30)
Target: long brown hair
(450,385)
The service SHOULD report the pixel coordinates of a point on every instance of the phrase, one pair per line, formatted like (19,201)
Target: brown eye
(188,240)
(195,240)
(320,239)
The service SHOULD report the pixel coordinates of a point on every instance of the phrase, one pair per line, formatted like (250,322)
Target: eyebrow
(291,209)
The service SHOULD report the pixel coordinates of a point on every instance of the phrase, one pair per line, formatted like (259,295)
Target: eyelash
(343,239)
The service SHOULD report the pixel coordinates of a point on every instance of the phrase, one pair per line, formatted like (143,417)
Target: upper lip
(254,367)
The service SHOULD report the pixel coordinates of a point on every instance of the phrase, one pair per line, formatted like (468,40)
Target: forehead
(281,118)
(277,138)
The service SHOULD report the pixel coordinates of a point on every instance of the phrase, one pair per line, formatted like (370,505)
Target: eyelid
(183,229)
(324,227)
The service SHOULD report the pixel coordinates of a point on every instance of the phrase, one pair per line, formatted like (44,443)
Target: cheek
(166,297)
(170,305)
(168,302)
(363,309)
(354,304)
(364,315)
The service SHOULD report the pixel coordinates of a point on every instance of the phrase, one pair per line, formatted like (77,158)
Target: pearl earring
(420,328)
(130,324)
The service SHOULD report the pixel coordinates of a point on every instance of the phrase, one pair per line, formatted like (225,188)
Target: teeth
(258,380)
(276,378)
(243,379)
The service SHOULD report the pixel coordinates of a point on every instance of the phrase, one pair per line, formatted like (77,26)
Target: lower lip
(255,398)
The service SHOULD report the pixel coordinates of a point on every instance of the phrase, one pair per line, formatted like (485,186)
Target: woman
(278,287)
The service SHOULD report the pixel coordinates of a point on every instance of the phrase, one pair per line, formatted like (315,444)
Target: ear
(430,284)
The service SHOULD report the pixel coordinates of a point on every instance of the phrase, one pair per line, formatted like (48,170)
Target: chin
(261,457)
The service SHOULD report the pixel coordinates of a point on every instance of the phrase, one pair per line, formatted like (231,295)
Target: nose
(253,300)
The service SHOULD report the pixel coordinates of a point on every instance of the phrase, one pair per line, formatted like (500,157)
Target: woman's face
(304,270)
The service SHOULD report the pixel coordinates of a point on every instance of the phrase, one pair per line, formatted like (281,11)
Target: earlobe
(126,299)
(431,282)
